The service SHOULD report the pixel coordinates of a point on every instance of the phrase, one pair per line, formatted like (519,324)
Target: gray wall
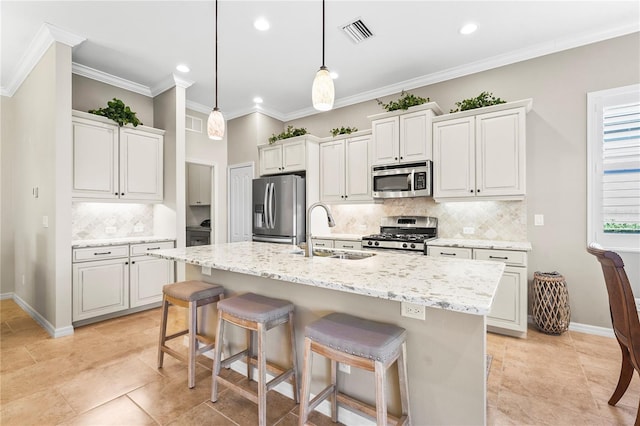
(556,151)
(246,133)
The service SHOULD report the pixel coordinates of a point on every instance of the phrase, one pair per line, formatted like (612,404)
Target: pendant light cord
(322,33)
(216,64)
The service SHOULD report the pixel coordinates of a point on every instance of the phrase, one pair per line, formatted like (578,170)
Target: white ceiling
(415,43)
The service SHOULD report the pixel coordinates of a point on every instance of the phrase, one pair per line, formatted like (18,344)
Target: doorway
(199,205)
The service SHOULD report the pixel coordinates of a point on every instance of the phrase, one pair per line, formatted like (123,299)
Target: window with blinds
(613,155)
(621,168)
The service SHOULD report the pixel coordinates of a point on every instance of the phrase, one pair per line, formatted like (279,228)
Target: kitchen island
(445,352)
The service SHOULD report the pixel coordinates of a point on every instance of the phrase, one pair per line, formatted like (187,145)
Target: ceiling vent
(357,31)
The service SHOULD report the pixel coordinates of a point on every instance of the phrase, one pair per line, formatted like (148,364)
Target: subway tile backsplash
(91,221)
(493,220)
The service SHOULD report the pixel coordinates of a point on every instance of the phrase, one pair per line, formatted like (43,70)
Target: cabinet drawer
(144,248)
(322,243)
(347,244)
(513,258)
(100,253)
(455,252)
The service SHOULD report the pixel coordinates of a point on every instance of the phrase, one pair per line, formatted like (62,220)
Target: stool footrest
(178,334)
(174,353)
(366,409)
(225,362)
(251,396)
(326,392)
(279,379)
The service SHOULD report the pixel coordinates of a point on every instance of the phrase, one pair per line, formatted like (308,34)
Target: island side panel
(445,353)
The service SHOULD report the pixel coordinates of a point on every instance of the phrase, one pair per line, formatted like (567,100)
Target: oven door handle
(411,179)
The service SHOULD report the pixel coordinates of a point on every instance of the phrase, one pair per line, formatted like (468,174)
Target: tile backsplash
(91,221)
(492,220)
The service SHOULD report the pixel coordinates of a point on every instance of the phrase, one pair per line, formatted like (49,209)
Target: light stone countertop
(453,284)
(115,241)
(481,244)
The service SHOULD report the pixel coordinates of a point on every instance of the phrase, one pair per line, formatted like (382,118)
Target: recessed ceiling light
(468,28)
(183,68)
(257,100)
(261,24)
(334,75)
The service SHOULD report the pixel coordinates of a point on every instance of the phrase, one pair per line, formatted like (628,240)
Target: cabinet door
(270,159)
(500,153)
(147,277)
(454,158)
(332,171)
(415,137)
(509,309)
(95,159)
(453,252)
(358,169)
(199,184)
(100,288)
(386,136)
(294,156)
(141,165)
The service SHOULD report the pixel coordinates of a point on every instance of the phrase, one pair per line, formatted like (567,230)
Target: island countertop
(459,285)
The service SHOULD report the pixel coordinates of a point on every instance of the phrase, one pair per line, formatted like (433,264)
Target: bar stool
(370,345)
(191,295)
(256,314)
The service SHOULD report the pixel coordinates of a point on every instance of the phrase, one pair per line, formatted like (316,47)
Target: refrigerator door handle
(273,205)
(270,205)
(265,210)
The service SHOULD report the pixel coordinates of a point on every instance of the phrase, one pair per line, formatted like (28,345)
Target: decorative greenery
(484,99)
(622,228)
(289,133)
(117,111)
(405,101)
(343,131)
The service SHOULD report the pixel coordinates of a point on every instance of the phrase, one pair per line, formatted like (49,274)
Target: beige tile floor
(105,374)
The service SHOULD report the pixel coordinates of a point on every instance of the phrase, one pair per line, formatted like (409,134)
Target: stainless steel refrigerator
(279,209)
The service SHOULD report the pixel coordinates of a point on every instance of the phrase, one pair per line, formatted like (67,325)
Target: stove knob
(377,243)
(369,243)
(404,245)
(413,245)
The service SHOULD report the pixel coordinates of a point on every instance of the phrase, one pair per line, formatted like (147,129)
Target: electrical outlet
(468,230)
(206,270)
(411,310)
(345,368)
(110,230)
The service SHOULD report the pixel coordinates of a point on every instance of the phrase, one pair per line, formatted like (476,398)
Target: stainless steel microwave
(402,180)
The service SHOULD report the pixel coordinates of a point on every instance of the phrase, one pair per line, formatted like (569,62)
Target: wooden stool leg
(381,400)
(249,354)
(294,360)
(262,376)
(334,394)
(404,383)
(306,382)
(163,330)
(191,358)
(217,359)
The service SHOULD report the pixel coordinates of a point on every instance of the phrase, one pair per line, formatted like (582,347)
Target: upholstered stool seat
(361,343)
(191,295)
(256,314)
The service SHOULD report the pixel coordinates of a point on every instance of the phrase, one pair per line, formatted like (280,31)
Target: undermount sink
(351,255)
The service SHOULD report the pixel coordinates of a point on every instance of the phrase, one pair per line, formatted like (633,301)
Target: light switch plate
(206,270)
(538,220)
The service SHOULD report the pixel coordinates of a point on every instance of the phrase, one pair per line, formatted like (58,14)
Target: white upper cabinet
(345,171)
(403,136)
(481,153)
(112,162)
(290,155)
(198,184)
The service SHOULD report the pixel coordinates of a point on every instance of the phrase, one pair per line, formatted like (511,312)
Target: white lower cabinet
(328,242)
(509,310)
(113,279)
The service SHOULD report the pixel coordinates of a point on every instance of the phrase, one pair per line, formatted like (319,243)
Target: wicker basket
(551,310)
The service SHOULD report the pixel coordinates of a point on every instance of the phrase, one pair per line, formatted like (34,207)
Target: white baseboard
(49,328)
(586,328)
(4,296)
(345,416)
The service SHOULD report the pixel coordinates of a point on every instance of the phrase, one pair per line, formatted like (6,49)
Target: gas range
(403,233)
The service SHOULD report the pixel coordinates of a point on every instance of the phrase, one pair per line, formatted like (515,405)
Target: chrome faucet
(309,250)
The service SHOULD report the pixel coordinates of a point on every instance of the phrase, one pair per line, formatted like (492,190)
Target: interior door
(240,202)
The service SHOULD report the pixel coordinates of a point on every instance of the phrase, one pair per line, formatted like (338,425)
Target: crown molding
(182,82)
(195,106)
(46,35)
(110,79)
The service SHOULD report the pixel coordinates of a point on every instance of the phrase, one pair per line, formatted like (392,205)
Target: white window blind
(621,169)
(613,155)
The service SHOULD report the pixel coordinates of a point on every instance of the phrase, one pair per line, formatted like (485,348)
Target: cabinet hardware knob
(395,158)
(122,193)
(97,253)
(132,262)
(115,193)
(471,190)
(447,254)
(401,158)
(153,248)
(126,263)
(499,257)
(477,190)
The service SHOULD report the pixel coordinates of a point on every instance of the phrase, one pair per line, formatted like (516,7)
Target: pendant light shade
(322,92)
(215,123)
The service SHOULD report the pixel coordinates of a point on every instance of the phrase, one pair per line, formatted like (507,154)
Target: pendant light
(215,123)
(323,92)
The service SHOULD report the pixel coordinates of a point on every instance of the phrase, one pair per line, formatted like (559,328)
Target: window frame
(596,102)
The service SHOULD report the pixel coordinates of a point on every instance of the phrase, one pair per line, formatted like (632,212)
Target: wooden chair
(624,317)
